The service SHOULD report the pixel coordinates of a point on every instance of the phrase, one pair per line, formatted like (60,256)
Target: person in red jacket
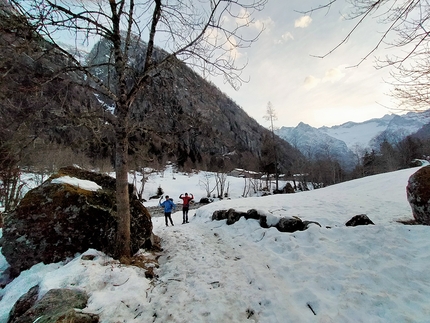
(185,206)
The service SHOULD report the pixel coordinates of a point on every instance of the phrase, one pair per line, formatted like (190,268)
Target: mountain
(347,141)
(193,119)
(178,117)
(361,134)
(315,144)
(370,133)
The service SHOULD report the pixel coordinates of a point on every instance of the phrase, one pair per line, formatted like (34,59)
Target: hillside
(191,121)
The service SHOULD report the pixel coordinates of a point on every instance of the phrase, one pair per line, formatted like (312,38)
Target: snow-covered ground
(212,272)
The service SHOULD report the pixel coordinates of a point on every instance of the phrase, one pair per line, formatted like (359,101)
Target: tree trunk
(122,194)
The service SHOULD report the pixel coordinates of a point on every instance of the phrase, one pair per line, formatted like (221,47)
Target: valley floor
(213,272)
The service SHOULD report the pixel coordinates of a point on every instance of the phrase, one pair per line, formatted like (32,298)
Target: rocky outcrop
(57,305)
(418,194)
(57,220)
(284,224)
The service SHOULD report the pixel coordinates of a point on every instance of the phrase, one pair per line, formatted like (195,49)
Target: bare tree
(222,186)
(406,33)
(246,187)
(271,117)
(197,32)
(251,183)
(206,184)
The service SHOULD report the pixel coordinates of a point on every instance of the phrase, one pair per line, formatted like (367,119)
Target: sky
(213,272)
(281,66)
(320,92)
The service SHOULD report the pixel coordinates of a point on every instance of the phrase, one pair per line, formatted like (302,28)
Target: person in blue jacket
(168,207)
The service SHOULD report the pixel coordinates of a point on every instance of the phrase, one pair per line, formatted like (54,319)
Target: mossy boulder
(57,305)
(418,194)
(56,220)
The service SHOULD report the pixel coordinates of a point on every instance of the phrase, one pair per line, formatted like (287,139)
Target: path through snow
(196,271)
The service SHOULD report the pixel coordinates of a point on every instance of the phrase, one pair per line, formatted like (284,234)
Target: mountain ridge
(353,138)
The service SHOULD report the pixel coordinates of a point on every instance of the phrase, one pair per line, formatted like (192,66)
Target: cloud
(303,22)
(227,48)
(284,38)
(334,74)
(232,48)
(311,81)
(245,18)
(331,75)
(266,24)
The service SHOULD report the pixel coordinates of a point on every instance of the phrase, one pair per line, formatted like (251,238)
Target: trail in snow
(196,271)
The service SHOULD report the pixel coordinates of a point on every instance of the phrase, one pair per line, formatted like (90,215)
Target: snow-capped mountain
(358,134)
(315,144)
(344,142)
(369,134)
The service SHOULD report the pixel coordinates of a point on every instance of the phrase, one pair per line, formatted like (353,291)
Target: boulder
(252,214)
(263,221)
(230,215)
(360,219)
(233,216)
(293,224)
(290,224)
(205,200)
(56,220)
(219,215)
(57,305)
(288,188)
(24,303)
(418,194)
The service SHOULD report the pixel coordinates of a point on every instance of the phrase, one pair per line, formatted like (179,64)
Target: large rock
(360,219)
(57,220)
(23,304)
(56,306)
(418,194)
(290,224)
(233,216)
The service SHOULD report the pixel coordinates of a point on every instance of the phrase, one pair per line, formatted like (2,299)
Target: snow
(212,272)
(81,183)
(360,134)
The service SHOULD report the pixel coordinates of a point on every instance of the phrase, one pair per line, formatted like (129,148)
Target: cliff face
(204,122)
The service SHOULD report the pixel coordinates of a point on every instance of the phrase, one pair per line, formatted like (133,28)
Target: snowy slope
(361,134)
(212,272)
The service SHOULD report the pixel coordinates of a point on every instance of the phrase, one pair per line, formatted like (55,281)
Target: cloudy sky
(282,67)
(330,91)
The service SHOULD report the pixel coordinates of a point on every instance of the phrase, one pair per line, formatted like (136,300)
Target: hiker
(186,206)
(168,206)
